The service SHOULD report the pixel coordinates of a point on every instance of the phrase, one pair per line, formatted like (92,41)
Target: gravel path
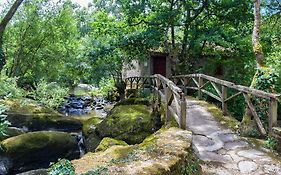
(222,151)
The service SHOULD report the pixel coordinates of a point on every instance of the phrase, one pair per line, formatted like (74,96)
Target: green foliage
(8,88)
(49,94)
(265,79)
(253,132)
(271,143)
(62,167)
(105,86)
(43,42)
(4,123)
(192,165)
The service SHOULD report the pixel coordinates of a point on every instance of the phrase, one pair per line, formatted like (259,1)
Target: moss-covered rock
(108,142)
(91,138)
(38,149)
(165,152)
(130,123)
(90,124)
(29,114)
(11,132)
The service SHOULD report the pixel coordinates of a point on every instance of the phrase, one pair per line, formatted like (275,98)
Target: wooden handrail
(174,96)
(221,95)
(231,85)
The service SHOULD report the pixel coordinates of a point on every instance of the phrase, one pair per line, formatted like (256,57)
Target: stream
(74,106)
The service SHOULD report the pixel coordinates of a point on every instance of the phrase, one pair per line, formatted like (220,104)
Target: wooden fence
(221,87)
(173,93)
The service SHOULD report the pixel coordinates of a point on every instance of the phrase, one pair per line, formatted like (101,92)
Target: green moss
(134,101)
(27,113)
(34,140)
(131,123)
(165,152)
(90,124)
(107,142)
(26,106)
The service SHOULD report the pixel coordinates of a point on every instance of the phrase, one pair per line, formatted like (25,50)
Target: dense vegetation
(48,47)
(58,41)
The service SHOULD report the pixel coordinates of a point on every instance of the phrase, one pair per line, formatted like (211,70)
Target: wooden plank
(183,113)
(254,113)
(229,98)
(200,83)
(231,85)
(169,96)
(131,83)
(174,114)
(216,88)
(223,100)
(207,82)
(197,83)
(158,83)
(185,82)
(211,95)
(193,88)
(272,118)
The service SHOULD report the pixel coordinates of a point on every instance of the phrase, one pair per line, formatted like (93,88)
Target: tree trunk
(257,48)
(3,25)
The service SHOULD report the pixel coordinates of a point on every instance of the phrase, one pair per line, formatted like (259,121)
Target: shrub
(62,167)
(8,87)
(4,123)
(271,143)
(105,86)
(49,94)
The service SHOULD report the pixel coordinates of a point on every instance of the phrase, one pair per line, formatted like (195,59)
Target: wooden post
(185,80)
(254,113)
(168,95)
(272,118)
(200,84)
(223,100)
(183,112)
(131,83)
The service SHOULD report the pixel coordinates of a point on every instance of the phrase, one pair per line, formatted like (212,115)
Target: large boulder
(37,149)
(168,152)
(29,114)
(130,123)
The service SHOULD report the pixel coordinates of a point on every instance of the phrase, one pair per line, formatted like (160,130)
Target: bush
(8,88)
(105,86)
(49,94)
(62,167)
(4,123)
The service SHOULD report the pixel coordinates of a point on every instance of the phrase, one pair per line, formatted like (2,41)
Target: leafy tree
(3,25)
(43,41)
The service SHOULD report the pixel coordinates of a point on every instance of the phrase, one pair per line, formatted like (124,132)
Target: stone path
(222,151)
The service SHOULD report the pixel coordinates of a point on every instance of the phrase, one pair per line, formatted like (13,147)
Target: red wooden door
(159,65)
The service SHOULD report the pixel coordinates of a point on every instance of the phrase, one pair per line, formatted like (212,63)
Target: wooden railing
(172,96)
(198,82)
